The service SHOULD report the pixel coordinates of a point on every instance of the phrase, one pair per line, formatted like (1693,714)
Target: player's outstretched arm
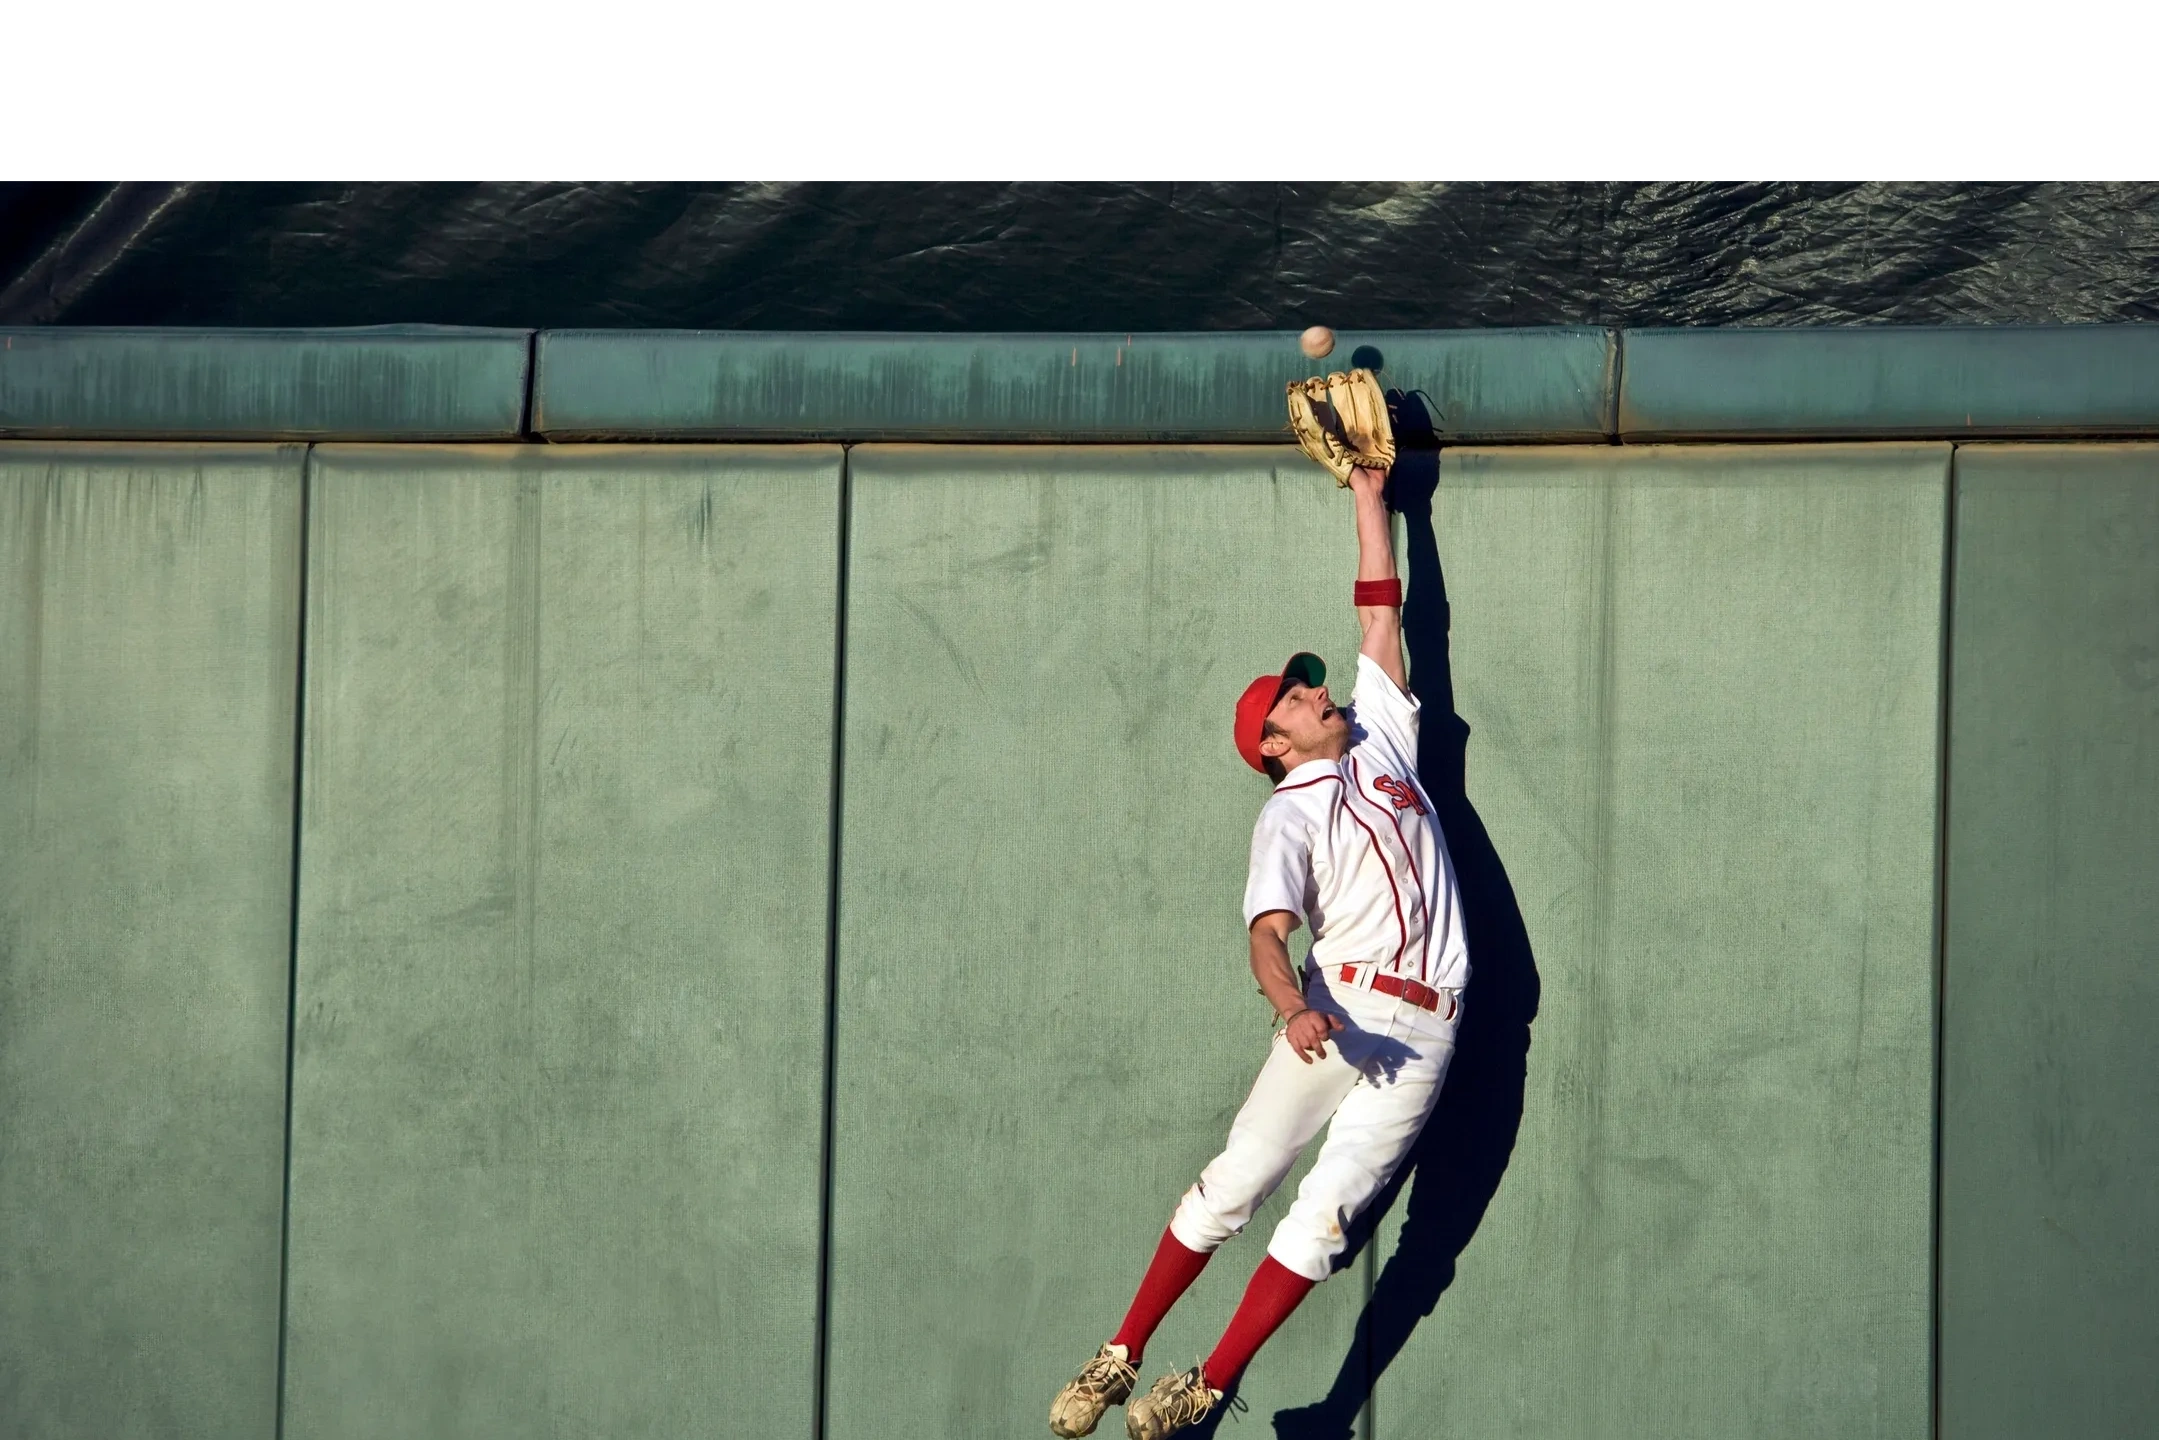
(1375,562)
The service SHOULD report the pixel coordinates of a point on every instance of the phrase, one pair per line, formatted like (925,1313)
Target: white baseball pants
(1378,1082)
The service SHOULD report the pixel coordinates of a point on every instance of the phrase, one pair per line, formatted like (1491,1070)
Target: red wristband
(1378,592)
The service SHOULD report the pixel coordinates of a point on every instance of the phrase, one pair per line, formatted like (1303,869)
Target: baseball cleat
(1175,1403)
(1102,1382)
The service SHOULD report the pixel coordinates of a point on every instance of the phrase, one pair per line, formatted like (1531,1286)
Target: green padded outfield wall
(1045,1016)
(1702,691)
(149,642)
(558,1069)
(1556,383)
(2050,1146)
(565,850)
(389,382)
(1946,381)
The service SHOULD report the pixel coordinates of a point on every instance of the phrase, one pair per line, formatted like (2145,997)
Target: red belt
(1423,996)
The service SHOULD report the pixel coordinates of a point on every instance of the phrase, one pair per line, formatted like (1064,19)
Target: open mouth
(1328,713)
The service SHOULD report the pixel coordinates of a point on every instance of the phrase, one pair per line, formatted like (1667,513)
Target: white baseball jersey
(1352,849)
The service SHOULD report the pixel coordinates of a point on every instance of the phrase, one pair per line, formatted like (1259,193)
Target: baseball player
(1346,845)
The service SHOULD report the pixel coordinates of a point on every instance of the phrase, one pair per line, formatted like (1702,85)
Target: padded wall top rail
(1550,384)
(1581,384)
(392,382)
(1938,382)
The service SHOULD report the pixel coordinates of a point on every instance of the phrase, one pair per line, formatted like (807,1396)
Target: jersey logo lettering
(1400,792)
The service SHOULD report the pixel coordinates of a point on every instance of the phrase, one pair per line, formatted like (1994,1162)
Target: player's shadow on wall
(1455,1168)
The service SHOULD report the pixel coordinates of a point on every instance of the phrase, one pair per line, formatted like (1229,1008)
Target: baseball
(1317,342)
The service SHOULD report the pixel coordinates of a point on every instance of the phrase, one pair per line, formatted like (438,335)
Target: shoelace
(1233,1404)
(1103,1373)
(1192,1399)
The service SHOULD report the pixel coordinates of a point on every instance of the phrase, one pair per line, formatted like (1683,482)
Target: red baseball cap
(1259,697)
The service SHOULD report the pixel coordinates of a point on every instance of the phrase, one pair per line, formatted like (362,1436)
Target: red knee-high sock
(1174,1267)
(1274,1292)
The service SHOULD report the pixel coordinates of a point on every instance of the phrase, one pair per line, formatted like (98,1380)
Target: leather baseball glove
(1341,422)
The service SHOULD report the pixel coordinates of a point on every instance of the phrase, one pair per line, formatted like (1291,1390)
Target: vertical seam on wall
(531,386)
(292,933)
(1361,1338)
(1611,395)
(820,1383)
(1941,938)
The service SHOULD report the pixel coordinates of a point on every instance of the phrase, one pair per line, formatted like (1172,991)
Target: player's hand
(1308,1031)
(1366,481)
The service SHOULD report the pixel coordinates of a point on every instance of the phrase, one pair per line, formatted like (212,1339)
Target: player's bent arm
(1271,965)
(1306,1028)
(1382,624)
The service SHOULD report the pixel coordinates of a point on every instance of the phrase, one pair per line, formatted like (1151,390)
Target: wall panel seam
(292,934)
(1944,676)
(822,1326)
(531,385)
(1361,1337)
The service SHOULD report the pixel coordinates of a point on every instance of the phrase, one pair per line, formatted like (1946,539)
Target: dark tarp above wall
(1087,257)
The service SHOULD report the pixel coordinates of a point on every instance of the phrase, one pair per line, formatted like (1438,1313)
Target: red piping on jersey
(1424,958)
(1394,889)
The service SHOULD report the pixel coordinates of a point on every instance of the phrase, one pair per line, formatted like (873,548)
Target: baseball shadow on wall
(1456,1165)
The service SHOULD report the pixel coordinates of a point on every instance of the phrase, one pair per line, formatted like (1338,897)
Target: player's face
(1307,717)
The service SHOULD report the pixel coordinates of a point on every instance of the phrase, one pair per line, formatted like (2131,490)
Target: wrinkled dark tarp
(1108,257)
